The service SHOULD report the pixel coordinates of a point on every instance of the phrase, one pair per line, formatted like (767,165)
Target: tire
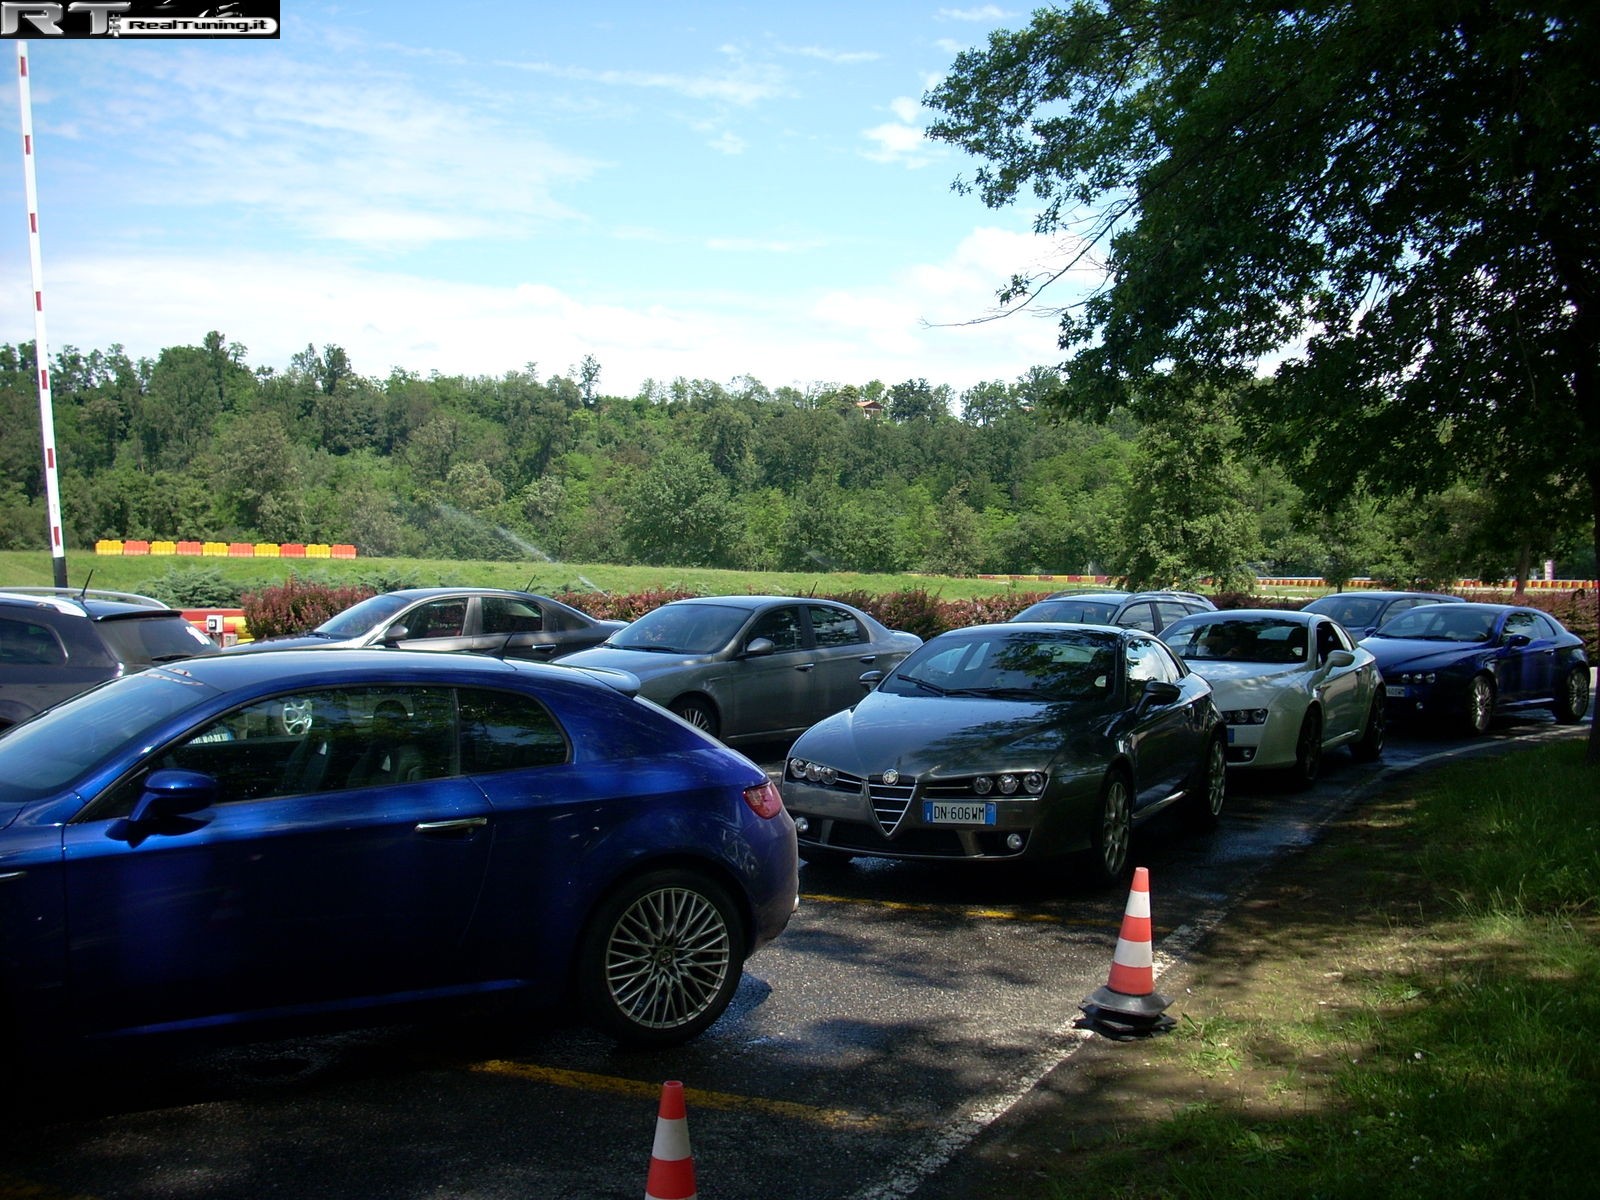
(1573,699)
(1307,751)
(660,959)
(1113,829)
(1203,805)
(1480,705)
(699,712)
(1369,746)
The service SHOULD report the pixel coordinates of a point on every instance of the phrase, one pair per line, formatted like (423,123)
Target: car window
(508,614)
(1247,639)
(505,731)
(834,626)
(28,643)
(1139,616)
(1545,626)
(683,628)
(782,625)
(1523,623)
(1146,662)
(1329,640)
(1174,610)
(143,641)
(436,619)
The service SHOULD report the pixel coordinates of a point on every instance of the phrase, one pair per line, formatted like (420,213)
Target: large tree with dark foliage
(1394,205)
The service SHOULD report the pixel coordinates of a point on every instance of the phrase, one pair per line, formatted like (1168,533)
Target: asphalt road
(904,1009)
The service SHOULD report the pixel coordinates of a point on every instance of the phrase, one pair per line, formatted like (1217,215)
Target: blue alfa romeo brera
(226,840)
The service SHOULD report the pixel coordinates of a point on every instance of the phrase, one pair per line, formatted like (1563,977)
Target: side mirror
(1338,660)
(395,634)
(173,793)
(870,679)
(1516,640)
(759,648)
(1158,693)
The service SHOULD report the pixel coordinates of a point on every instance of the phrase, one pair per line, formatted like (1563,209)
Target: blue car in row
(219,842)
(1460,664)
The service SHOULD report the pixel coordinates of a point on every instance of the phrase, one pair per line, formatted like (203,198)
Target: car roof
(84,602)
(1294,615)
(1374,594)
(322,667)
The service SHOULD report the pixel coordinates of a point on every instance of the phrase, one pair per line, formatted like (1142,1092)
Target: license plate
(1395,689)
(956,812)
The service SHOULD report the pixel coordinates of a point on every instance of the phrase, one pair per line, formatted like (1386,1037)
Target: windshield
(1353,612)
(1083,612)
(360,618)
(683,628)
(1038,665)
(41,756)
(1442,623)
(1245,639)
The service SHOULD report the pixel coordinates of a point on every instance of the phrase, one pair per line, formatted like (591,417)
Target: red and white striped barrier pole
(41,347)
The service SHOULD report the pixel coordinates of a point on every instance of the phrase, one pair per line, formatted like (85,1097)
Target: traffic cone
(1129,1004)
(671,1163)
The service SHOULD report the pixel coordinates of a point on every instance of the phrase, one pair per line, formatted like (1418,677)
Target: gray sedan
(750,668)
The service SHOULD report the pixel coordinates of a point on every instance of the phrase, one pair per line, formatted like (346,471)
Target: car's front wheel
(1369,746)
(1113,831)
(1307,751)
(1208,790)
(660,959)
(699,712)
(1480,705)
(1572,701)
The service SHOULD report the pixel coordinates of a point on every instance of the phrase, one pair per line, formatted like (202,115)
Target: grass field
(28,569)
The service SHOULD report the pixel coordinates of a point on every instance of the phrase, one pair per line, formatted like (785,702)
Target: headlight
(1009,784)
(1245,716)
(1419,677)
(800,768)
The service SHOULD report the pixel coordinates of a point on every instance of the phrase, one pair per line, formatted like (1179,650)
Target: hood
(1408,654)
(1240,684)
(917,735)
(641,663)
(305,641)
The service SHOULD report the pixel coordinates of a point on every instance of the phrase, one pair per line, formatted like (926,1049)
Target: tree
(1395,202)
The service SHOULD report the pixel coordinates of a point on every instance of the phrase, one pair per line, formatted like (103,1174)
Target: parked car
(437,827)
(512,624)
(1150,611)
(1462,663)
(753,668)
(1361,613)
(57,642)
(1012,741)
(1291,687)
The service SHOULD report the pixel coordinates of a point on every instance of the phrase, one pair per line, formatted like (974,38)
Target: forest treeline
(908,476)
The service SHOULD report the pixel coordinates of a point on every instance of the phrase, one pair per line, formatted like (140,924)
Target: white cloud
(986,12)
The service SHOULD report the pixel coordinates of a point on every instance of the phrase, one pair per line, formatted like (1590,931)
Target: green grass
(1465,1056)
(29,569)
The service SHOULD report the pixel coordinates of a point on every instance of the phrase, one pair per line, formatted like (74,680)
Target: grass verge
(1410,1010)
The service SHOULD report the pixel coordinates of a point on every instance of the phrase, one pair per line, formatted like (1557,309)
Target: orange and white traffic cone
(671,1163)
(1129,1003)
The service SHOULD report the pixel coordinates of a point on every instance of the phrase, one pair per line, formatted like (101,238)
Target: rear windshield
(147,641)
(1083,612)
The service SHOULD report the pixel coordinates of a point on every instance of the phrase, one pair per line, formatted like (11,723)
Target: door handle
(460,827)
(806,667)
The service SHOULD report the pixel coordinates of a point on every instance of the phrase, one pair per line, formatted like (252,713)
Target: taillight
(764,799)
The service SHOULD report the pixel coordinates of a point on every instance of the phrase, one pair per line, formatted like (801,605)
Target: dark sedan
(436,827)
(1005,742)
(1462,663)
(752,668)
(1363,613)
(491,620)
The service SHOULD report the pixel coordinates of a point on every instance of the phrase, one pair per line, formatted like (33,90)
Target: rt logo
(46,18)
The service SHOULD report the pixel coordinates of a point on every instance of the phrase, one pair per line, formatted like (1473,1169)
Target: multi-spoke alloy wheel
(662,959)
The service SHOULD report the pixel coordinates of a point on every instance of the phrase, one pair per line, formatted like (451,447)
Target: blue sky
(708,190)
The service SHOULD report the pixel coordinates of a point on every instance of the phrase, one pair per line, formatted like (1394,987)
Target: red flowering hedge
(296,606)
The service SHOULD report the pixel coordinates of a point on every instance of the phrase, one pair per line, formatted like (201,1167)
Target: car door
(437,624)
(1337,688)
(520,627)
(1166,736)
(1527,657)
(844,652)
(305,883)
(765,693)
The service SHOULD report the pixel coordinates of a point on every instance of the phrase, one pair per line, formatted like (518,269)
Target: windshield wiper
(923,683)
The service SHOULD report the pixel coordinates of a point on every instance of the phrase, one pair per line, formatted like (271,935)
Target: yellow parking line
(986,914)
(835,1118)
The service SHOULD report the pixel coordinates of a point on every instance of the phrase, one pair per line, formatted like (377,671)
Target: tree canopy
(1389,212)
